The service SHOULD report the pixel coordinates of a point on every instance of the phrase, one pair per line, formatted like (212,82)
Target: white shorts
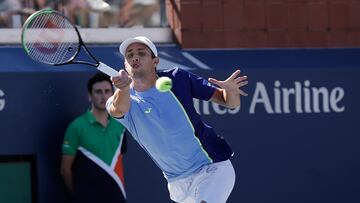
(213,183)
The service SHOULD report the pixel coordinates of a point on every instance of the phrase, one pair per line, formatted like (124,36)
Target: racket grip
(107,70)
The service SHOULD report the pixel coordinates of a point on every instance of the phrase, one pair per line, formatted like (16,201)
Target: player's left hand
(233,83)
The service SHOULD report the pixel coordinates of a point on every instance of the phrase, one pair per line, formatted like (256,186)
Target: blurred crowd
(88,13)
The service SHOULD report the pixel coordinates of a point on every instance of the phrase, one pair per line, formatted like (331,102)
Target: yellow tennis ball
(163,84)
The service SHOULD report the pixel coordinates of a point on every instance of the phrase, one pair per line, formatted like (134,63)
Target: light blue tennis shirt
(168,128)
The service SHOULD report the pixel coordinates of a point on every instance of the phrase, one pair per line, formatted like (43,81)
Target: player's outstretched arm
(229,92)
(121,99)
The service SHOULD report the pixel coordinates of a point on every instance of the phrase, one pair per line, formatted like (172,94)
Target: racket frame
(98,65)
(81,43)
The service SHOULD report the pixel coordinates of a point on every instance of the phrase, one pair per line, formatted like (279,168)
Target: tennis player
(193,157)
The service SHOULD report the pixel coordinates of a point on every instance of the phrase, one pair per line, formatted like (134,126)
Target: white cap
(140,39)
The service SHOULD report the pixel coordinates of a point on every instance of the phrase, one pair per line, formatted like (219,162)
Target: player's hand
(233,83)
(123,81)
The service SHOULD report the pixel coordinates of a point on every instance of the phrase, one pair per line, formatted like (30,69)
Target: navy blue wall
(295,136)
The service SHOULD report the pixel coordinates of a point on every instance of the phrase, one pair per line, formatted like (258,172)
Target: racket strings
(58,56)
(51,38)
(61,57)
(36,52)
(37,24)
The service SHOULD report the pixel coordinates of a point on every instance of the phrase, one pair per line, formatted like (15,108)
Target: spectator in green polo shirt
(92,150)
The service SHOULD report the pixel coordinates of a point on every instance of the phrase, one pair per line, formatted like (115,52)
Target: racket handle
(107,70)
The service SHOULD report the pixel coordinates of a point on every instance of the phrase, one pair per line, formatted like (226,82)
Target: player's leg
(218,183)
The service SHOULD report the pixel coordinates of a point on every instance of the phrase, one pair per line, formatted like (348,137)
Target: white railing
(100,35)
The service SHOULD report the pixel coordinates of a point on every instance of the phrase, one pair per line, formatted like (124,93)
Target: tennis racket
(49,37)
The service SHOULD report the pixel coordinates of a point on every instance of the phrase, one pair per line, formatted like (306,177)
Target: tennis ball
(163,84)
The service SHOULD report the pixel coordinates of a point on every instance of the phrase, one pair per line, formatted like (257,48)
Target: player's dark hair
(98,77)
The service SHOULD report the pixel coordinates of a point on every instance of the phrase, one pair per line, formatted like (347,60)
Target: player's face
(139,61)
(100,94)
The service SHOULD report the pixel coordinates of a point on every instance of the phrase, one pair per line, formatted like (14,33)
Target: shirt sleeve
(124,120)
(70,143)
(200,88)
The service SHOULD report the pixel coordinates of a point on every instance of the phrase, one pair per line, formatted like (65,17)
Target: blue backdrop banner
(296,136)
